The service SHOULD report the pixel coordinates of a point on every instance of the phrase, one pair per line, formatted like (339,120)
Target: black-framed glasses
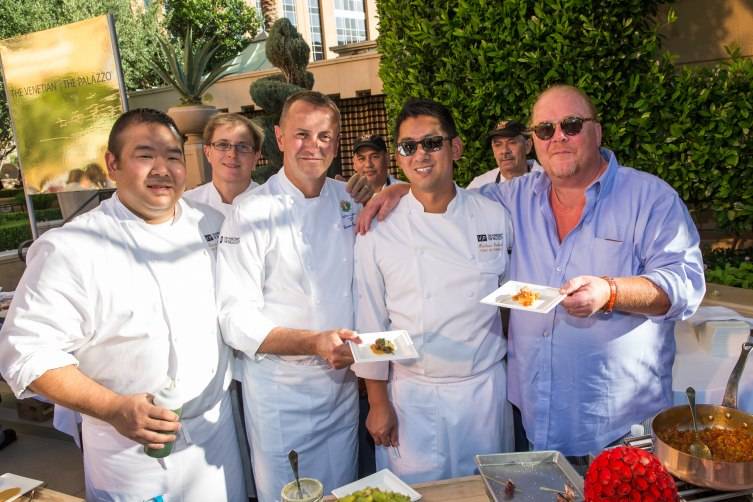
(429,144)
(571,126)
(224,146)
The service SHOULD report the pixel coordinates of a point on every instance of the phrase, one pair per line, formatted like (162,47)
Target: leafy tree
(19,18)
(234,23)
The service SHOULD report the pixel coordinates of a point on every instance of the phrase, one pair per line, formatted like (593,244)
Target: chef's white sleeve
(48,319)
(241,256)
(370,307)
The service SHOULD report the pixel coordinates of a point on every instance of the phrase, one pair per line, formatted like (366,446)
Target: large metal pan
(726,476)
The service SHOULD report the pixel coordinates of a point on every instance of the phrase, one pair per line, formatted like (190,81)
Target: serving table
(48,495)
(466,489)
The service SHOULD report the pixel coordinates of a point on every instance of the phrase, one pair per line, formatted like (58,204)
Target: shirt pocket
(610,256)
(491,267)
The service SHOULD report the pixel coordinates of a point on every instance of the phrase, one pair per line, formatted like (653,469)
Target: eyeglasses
(224,146)
(429,144)
(571,126)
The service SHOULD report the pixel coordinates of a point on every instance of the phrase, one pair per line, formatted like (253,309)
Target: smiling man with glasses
(425,270)
(623,248)
(621,245)
(232,145)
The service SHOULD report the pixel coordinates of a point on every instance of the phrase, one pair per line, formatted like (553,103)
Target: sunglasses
(429,144)
(571,126)
(224,146)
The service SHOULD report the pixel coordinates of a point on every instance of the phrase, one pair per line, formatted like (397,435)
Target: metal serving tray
(529,471)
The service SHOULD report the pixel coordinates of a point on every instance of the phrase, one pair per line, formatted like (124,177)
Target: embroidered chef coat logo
(212,240)
(490,242)
(225,239)
(348,217)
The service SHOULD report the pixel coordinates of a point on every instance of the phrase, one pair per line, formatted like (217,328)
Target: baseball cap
(376,142)
(508,128)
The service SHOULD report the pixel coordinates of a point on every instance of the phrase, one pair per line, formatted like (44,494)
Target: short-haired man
(371,159)
(425,270)
(510,143)
(621,245)
(285,270)
(116,304)
(232,145)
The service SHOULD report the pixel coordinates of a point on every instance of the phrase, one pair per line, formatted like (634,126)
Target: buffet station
(673,461)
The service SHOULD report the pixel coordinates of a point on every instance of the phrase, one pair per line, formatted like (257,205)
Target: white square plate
(404,348)
(385,480)
(502,297)
(9,481)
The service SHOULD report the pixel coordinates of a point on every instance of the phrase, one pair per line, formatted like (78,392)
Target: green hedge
(14,233)
(14,227)
(487,60)
(731,267)
(41,215)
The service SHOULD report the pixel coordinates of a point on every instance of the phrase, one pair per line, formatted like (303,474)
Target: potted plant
(191,75)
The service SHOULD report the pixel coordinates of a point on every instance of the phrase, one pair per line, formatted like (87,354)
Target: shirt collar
(414,205)
(215,193)
(289,188)
(602,184)
(125,214)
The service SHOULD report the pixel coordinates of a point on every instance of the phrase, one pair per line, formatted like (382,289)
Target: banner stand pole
(32,217)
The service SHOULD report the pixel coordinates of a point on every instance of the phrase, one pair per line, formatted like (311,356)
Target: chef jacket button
(546,334)
(559,269)
(427,295)
(470,294)
(346,294)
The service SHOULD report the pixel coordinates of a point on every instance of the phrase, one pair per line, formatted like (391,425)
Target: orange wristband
(612,294)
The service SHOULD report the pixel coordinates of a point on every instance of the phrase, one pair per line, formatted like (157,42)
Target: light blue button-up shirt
(581,382)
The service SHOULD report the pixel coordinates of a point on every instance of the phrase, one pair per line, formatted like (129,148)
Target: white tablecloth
(707,374)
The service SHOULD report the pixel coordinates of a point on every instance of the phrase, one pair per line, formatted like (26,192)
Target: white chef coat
(426,273)
(494,176)
(391,180)
(285,260)
(130,304)
(490,176)
(208,194)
